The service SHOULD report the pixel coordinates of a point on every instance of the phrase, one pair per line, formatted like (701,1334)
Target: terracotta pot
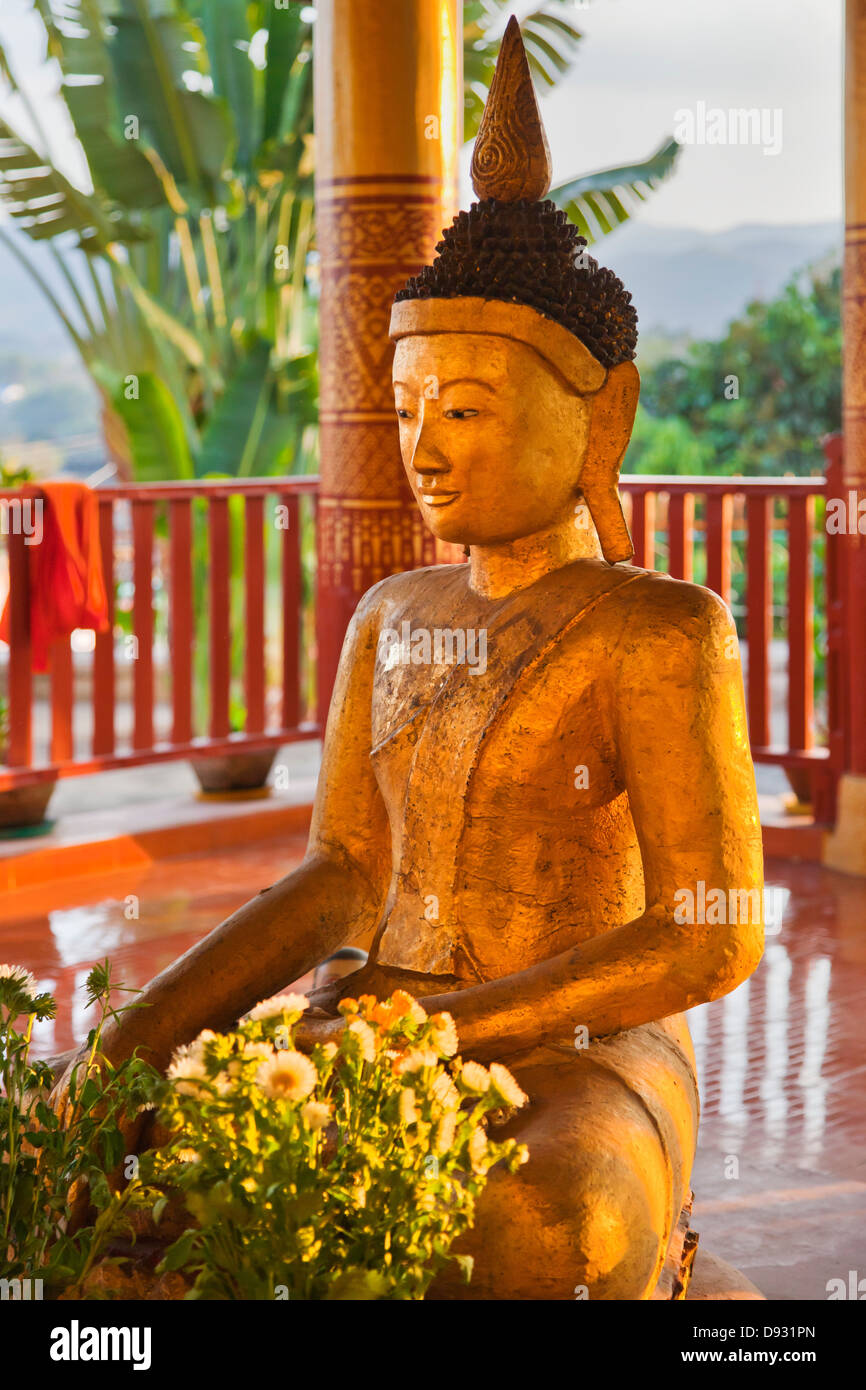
(23,806)
(800,782)
(234,772)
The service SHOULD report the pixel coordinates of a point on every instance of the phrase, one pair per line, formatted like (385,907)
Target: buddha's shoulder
(401,590)
(657,608)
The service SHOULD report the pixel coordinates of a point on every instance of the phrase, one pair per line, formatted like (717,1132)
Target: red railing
(240,543)
(191,567)
(726,533)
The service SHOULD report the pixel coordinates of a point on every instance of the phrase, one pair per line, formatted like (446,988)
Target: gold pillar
(846,847)
(388,116)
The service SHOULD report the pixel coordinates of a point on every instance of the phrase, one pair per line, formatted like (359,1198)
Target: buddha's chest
(529,742)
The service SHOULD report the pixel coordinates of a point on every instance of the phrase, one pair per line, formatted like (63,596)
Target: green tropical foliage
(757,400)
(187,255)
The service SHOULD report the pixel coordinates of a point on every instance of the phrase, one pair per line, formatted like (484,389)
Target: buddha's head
(513,375)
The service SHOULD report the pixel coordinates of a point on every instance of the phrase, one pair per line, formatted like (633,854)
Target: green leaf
(90,1094)
(227,33)
(191,132)
(177,1254)
(230,441)
(43,203)
(287,81)
(598,202)
(155,427)
(78,38)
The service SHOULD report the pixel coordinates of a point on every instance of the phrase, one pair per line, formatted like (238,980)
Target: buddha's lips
(438,499)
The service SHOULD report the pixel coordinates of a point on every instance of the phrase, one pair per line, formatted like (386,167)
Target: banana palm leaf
(601,201)
(77,40)
(43,203)
(157,438)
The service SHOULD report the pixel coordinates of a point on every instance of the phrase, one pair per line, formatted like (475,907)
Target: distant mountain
(694,283)
(685,283)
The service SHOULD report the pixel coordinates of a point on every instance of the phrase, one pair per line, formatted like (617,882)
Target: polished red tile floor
(780,1176)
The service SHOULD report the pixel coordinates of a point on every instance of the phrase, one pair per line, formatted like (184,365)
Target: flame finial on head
(511,160)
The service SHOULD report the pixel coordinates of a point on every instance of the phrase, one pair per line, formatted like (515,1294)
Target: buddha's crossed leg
(611,1134)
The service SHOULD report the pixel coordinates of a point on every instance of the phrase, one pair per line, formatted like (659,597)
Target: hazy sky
(642,61)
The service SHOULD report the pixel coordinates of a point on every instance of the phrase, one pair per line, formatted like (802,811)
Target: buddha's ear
(611,421)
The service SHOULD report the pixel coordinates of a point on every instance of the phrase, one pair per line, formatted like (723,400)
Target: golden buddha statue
(517,831)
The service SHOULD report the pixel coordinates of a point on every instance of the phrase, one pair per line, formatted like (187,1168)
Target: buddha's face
(492,439)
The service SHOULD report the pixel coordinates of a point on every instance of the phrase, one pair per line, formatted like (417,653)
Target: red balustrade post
(759,617)
(61,701)
(720,512)
(292,594)
(801,624)
(142,624)
(220,620)
(180,619)
(681,522)
(643,529)
(254,597)
(103,652)
(20,752)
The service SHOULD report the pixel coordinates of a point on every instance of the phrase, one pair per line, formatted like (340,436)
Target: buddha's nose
(428,460)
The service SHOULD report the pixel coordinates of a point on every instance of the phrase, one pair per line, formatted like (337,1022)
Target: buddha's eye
(466,414)
(403,413)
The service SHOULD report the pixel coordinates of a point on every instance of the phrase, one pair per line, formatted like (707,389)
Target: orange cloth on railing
(67,589)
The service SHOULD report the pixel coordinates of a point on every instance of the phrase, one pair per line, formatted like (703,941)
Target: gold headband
(582,372)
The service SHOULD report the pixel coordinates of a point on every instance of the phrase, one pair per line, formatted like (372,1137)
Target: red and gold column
(388,89)
(846,847)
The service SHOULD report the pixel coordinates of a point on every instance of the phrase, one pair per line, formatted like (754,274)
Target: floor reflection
(780,1175)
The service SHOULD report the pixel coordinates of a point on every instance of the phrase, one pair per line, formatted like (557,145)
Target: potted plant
(242,774)
(21,808)
(344,1173)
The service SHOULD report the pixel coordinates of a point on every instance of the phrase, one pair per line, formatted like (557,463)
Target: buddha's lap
(611,1133)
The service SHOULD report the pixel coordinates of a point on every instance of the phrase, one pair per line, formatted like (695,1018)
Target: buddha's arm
(288,928)
(681,731)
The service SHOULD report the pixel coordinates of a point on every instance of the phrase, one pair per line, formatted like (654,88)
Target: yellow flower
(477,1150)
(348,1005)
(256,1049)
(408,1006)
(414,1060)
(365,1039)
(186,1073)
(287,1076)
(445,1092)
(444,1035)
(506,1087)
(188,1156)
(385,1015)
(279,1004)
(408,1108)
(315,1114)
(474,1078)
(445,1132)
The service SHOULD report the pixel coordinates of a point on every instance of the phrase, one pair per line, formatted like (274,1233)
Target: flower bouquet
(347,1173)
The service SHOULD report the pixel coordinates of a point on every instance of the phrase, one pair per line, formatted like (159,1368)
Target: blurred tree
(187,253)
(757,401)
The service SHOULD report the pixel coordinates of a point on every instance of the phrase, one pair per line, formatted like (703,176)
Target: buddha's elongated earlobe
(613,411)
